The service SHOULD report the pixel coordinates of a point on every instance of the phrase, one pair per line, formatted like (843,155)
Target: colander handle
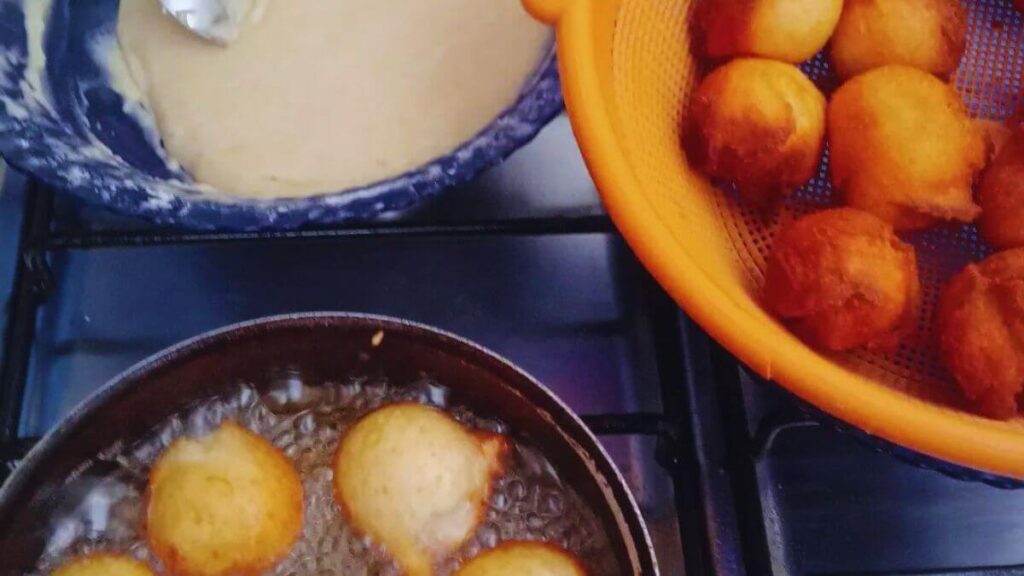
(549,11)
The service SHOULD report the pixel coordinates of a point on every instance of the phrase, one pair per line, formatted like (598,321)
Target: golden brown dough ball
(995,135)
(981,332)
(1001,195)
(903,148)
(103,565)
(416,481)
(787,30)
(229,503)
(926,34)
(523,559)
(759,124)
(841,278)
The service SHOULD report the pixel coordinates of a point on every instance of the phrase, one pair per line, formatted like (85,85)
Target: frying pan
(321,346)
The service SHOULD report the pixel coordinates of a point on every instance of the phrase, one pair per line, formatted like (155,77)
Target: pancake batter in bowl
(317,96)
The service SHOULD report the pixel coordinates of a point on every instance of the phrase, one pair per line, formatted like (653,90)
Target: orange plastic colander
(627,72)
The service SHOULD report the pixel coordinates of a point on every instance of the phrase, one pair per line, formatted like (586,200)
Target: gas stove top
(733,475)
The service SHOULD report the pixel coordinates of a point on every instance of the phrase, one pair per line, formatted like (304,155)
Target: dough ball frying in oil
(786,30)
(759,124)
(103,565)
(416,481)
(841,279)
(229,503)
(927,34)
(980,323)
(1001,195)
(903,148)
(523,559)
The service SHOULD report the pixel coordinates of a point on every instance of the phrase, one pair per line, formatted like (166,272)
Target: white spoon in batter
(214,20)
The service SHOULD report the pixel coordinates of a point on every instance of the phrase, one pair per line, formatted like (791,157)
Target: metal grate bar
(31,284)
(676,450)
(738,454)
(1017,570)
(560,225)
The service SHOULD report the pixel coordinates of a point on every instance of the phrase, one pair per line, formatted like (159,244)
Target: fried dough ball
(787,30)
(104,565)
(981,332)
(1001,195)
(926,34)
(903,148)
(759,124)
(841,278)
(416,481)
(995,135)
(229,503)
(523,559)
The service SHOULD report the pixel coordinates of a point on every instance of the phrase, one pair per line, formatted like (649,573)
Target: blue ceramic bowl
(80,140)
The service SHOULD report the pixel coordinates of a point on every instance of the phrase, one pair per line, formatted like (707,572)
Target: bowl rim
(538,102)
(937,431)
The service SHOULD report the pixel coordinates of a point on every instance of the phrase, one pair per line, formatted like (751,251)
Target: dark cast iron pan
(322,346)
